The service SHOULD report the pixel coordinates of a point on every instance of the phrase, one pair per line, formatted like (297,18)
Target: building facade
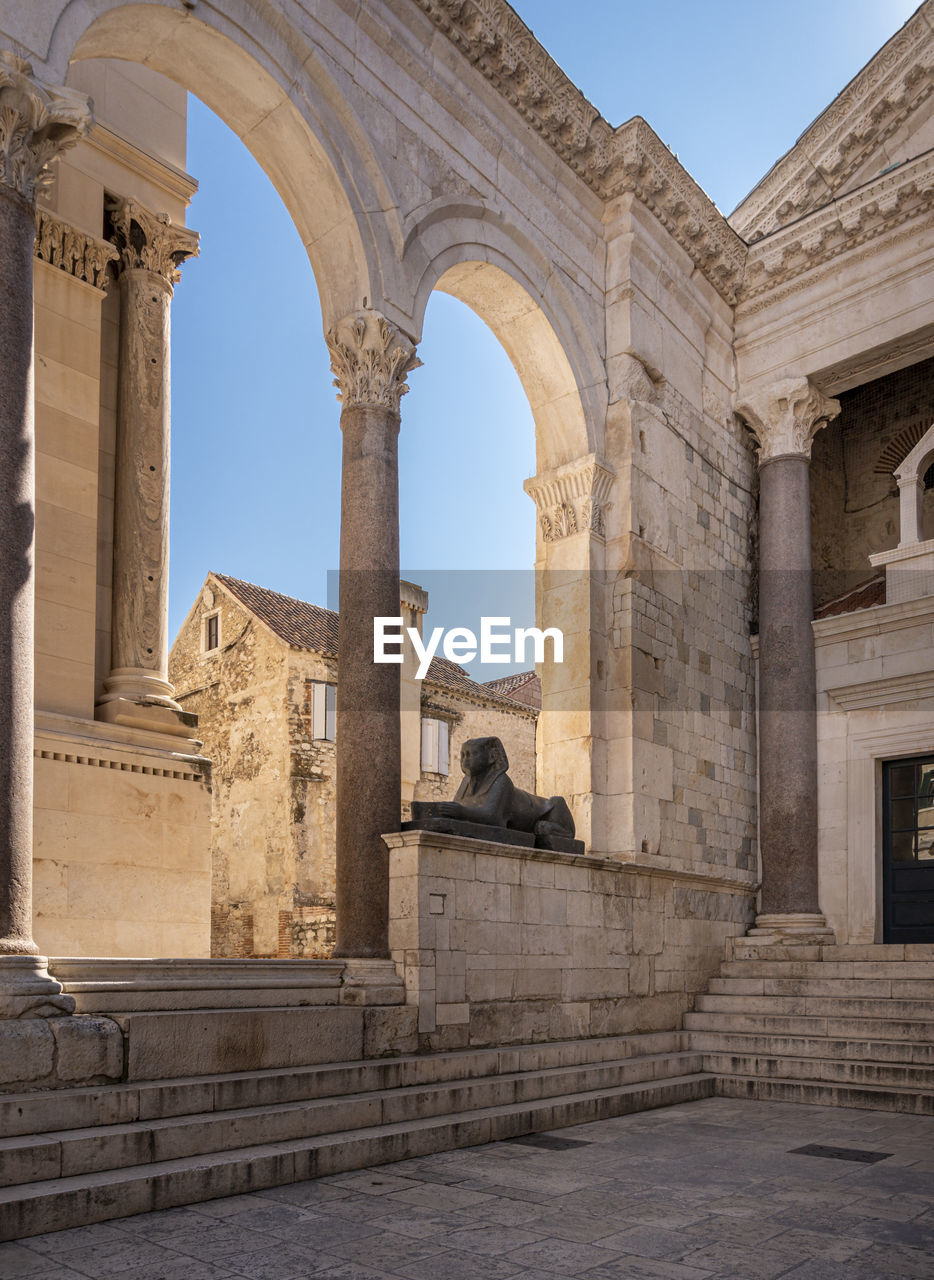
(260,672)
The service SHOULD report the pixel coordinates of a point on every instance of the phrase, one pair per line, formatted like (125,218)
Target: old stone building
(733,421)
(260,671)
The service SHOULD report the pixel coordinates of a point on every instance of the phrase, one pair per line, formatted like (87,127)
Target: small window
(212,632)
(323,711)
(434,746)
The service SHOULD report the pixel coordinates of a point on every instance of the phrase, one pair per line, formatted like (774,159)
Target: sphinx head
(483,755)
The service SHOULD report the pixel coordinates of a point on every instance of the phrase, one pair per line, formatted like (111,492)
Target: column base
(791,927)
(28,990)
(143,700)
(371,982)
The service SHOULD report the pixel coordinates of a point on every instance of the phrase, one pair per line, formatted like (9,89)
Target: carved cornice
(859,121)
(643,165)
(150,241)
(785,417)
(37,122)
(611,161)
(572,498)
(878,209)
(370,360)
(81,255)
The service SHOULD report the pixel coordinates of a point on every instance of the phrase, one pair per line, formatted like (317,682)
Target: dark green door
(908,850)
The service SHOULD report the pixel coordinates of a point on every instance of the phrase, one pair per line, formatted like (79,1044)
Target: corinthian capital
(150,241)
(785,417)
(37,122)
(370,359)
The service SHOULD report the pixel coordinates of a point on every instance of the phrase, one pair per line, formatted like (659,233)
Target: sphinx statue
(489,806)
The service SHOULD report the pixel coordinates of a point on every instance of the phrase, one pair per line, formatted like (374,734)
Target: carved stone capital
(81,255)
(37,122)
(572,498)
(785,417)
(150,241)
(370,359)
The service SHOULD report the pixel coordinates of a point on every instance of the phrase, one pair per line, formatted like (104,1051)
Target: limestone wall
(678,706)
(504,945)
(239,692)
(875,701)
(122,863)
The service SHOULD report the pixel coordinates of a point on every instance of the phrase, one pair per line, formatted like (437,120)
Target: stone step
(923,969)
(726,1062)
(907,1052)
(823,984)
(818,1006)
(32,1158)
(882,1028)
(751,949)
(825,1094)
(57,1203)
(53,1110)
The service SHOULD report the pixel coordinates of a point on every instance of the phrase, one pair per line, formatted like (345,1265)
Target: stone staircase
(74,1156)
(849,1026)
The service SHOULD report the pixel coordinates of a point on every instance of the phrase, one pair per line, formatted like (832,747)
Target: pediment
(884,117)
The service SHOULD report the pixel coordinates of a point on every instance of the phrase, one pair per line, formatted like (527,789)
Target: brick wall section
(854,508)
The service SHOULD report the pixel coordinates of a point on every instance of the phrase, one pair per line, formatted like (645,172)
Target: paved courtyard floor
(704,1189)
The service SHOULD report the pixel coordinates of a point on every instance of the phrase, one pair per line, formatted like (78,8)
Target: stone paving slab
(690,1192)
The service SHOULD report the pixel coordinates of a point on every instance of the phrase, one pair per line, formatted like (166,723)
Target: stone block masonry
(507,945)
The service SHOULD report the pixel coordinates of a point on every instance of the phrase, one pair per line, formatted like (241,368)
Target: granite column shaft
(370,358)
(784,418)
(37,122)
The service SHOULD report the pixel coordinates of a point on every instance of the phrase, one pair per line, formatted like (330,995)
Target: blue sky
(728,84)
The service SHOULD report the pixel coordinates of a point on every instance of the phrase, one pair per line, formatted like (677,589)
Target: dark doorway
(908,849)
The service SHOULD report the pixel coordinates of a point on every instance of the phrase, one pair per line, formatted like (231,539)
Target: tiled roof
(309,626)
(521,686)
(302,625)
(863,596)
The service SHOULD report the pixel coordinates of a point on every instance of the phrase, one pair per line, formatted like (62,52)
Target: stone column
(137,691)
(784,418)
(370,359)
(37,122)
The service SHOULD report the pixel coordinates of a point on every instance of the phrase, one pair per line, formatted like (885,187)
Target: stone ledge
(708,877)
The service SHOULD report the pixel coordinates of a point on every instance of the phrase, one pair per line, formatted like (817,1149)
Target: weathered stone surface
(87,1048)
(27,1050)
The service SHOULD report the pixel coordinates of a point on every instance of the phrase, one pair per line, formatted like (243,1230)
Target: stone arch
(262,77)
(515,291)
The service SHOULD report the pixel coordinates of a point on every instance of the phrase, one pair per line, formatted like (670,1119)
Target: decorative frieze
(150,241)
(81,255)
(572,498)
(785,417)
(370,360)
(611,161)
(37,122)
(858,122)
(880,208)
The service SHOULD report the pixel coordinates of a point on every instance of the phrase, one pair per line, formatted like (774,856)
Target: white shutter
(443,746)
(319,711)
(429,746)
(330,719)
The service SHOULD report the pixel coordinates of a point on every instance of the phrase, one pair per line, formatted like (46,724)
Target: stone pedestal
(784,419)
(370,359)
(36,123)
(137,692)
